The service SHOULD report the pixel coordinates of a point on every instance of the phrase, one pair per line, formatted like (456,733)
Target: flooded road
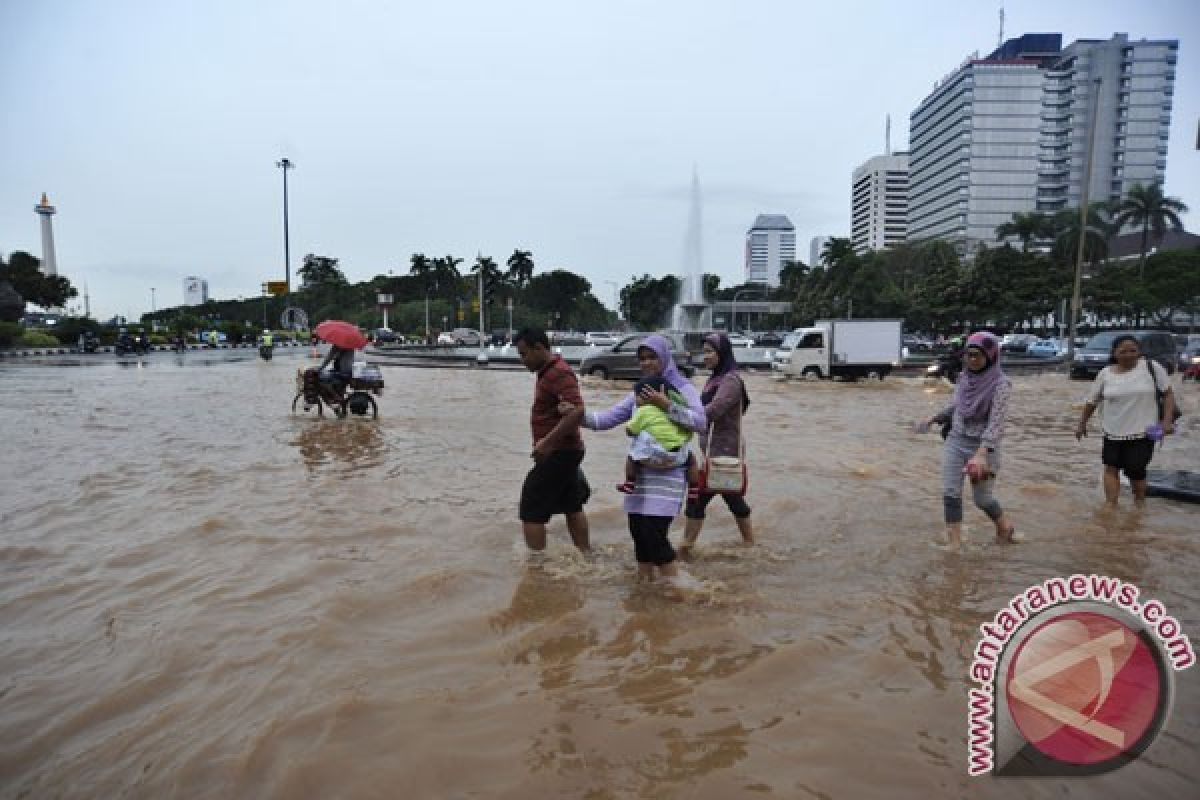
(203,596)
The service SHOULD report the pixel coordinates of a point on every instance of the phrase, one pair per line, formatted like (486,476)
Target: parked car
(464,337)
(1045,348)
(384,335)
(1189,362)
(769,339)
(1016,342)
(1158,345)
(620,360)
(740,340)
(917,344)
(601,338)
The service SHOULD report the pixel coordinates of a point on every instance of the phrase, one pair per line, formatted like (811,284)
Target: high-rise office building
(974,144)
(1133,108)
(770,245)
(816,246)
(1007,134)
(195,291)
(879,203)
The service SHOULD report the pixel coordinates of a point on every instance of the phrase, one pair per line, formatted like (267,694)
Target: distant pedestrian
(977,416)
(1127,392)
(556,483)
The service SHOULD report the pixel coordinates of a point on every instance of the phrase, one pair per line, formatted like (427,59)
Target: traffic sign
(275,287)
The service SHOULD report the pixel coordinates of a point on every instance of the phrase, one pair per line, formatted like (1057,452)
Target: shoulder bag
(1160,396)
(724,474)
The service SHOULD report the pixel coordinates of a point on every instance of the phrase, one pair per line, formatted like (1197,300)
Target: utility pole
(285,165)
(1077,292)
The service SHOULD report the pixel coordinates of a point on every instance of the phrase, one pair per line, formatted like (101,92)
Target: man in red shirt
(556,484)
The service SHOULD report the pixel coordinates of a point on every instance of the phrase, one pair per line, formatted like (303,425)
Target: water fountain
(691,312)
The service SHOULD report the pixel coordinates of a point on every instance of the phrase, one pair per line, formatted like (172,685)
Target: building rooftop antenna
(887,135)
(1000,41)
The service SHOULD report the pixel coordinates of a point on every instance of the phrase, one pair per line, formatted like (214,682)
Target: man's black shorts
(1129,455)
(555,486)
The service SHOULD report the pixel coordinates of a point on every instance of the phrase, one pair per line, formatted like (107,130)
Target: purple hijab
(974,391)
(662,348)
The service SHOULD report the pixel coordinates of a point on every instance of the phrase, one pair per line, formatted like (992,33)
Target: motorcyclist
(214,340)
(266,345)
(124,341)
(340,363)
(142,341)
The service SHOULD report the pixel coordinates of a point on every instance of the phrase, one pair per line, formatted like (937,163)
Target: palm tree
(421,267)
(1026,227)
(1148,207)
(520,268)
(1099,230)
(447,277)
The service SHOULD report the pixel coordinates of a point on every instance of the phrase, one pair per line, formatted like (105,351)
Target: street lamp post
(285,165)
(733,311)
(1077,290)
(153,306)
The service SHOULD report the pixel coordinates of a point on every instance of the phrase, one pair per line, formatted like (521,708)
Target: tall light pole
(733,323)
(153,306)
(1077,293)
(285,165)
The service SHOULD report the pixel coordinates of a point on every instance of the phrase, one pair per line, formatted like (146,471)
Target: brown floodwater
(203,596)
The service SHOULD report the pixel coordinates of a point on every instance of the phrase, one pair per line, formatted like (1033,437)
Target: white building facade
(879,203)
(195,291)
(1133,108)
(1007,134)
(770,245)
(816,246)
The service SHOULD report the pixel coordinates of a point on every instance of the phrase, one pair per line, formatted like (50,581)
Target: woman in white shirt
(1128,388)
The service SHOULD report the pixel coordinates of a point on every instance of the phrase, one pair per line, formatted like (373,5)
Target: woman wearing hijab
(725,400)
(977,418)
(658,491)
(1128,387)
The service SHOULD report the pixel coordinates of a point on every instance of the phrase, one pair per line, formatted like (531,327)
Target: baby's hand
(565,408)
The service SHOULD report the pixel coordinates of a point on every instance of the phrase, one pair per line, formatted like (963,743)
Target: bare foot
(684,551)
(1007,537)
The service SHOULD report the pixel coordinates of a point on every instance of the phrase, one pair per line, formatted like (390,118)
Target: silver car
(621,361)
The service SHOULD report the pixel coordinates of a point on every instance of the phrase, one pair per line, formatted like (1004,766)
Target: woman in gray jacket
(725,400)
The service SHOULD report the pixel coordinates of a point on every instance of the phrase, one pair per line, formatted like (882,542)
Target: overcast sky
(565,128)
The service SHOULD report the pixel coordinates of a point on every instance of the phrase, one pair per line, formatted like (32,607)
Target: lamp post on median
(1077,290)
(285,165)
(733,314)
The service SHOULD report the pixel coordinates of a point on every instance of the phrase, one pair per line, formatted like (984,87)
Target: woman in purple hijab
(725,400)
(658,493)
(977,417)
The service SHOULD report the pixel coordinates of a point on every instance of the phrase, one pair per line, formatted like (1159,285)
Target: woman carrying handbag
(725,400)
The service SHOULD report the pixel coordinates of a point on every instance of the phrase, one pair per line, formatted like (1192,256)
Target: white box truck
(847,348)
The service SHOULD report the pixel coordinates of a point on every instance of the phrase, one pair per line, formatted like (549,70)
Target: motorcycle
(124,345)
(265,351)
(947,366)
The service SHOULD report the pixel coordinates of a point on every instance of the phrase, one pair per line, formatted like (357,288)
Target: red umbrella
(342,334)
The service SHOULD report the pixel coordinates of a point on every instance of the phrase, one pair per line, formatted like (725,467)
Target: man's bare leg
(691,532)
(745,528)
(535,535)
(577,526)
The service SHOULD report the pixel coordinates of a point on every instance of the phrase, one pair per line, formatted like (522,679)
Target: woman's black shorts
(1130,455)
(650,542)
(557,485)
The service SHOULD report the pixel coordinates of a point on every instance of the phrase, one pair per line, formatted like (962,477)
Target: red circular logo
(1084,688)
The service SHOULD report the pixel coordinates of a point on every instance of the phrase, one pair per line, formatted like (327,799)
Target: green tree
(1099,231)
(1148,208)
(23,272)
(558,295)
(836,250)
(646,302)
(1028,228)
(318,272)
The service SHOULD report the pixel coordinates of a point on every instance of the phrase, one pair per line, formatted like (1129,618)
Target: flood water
(203,596)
